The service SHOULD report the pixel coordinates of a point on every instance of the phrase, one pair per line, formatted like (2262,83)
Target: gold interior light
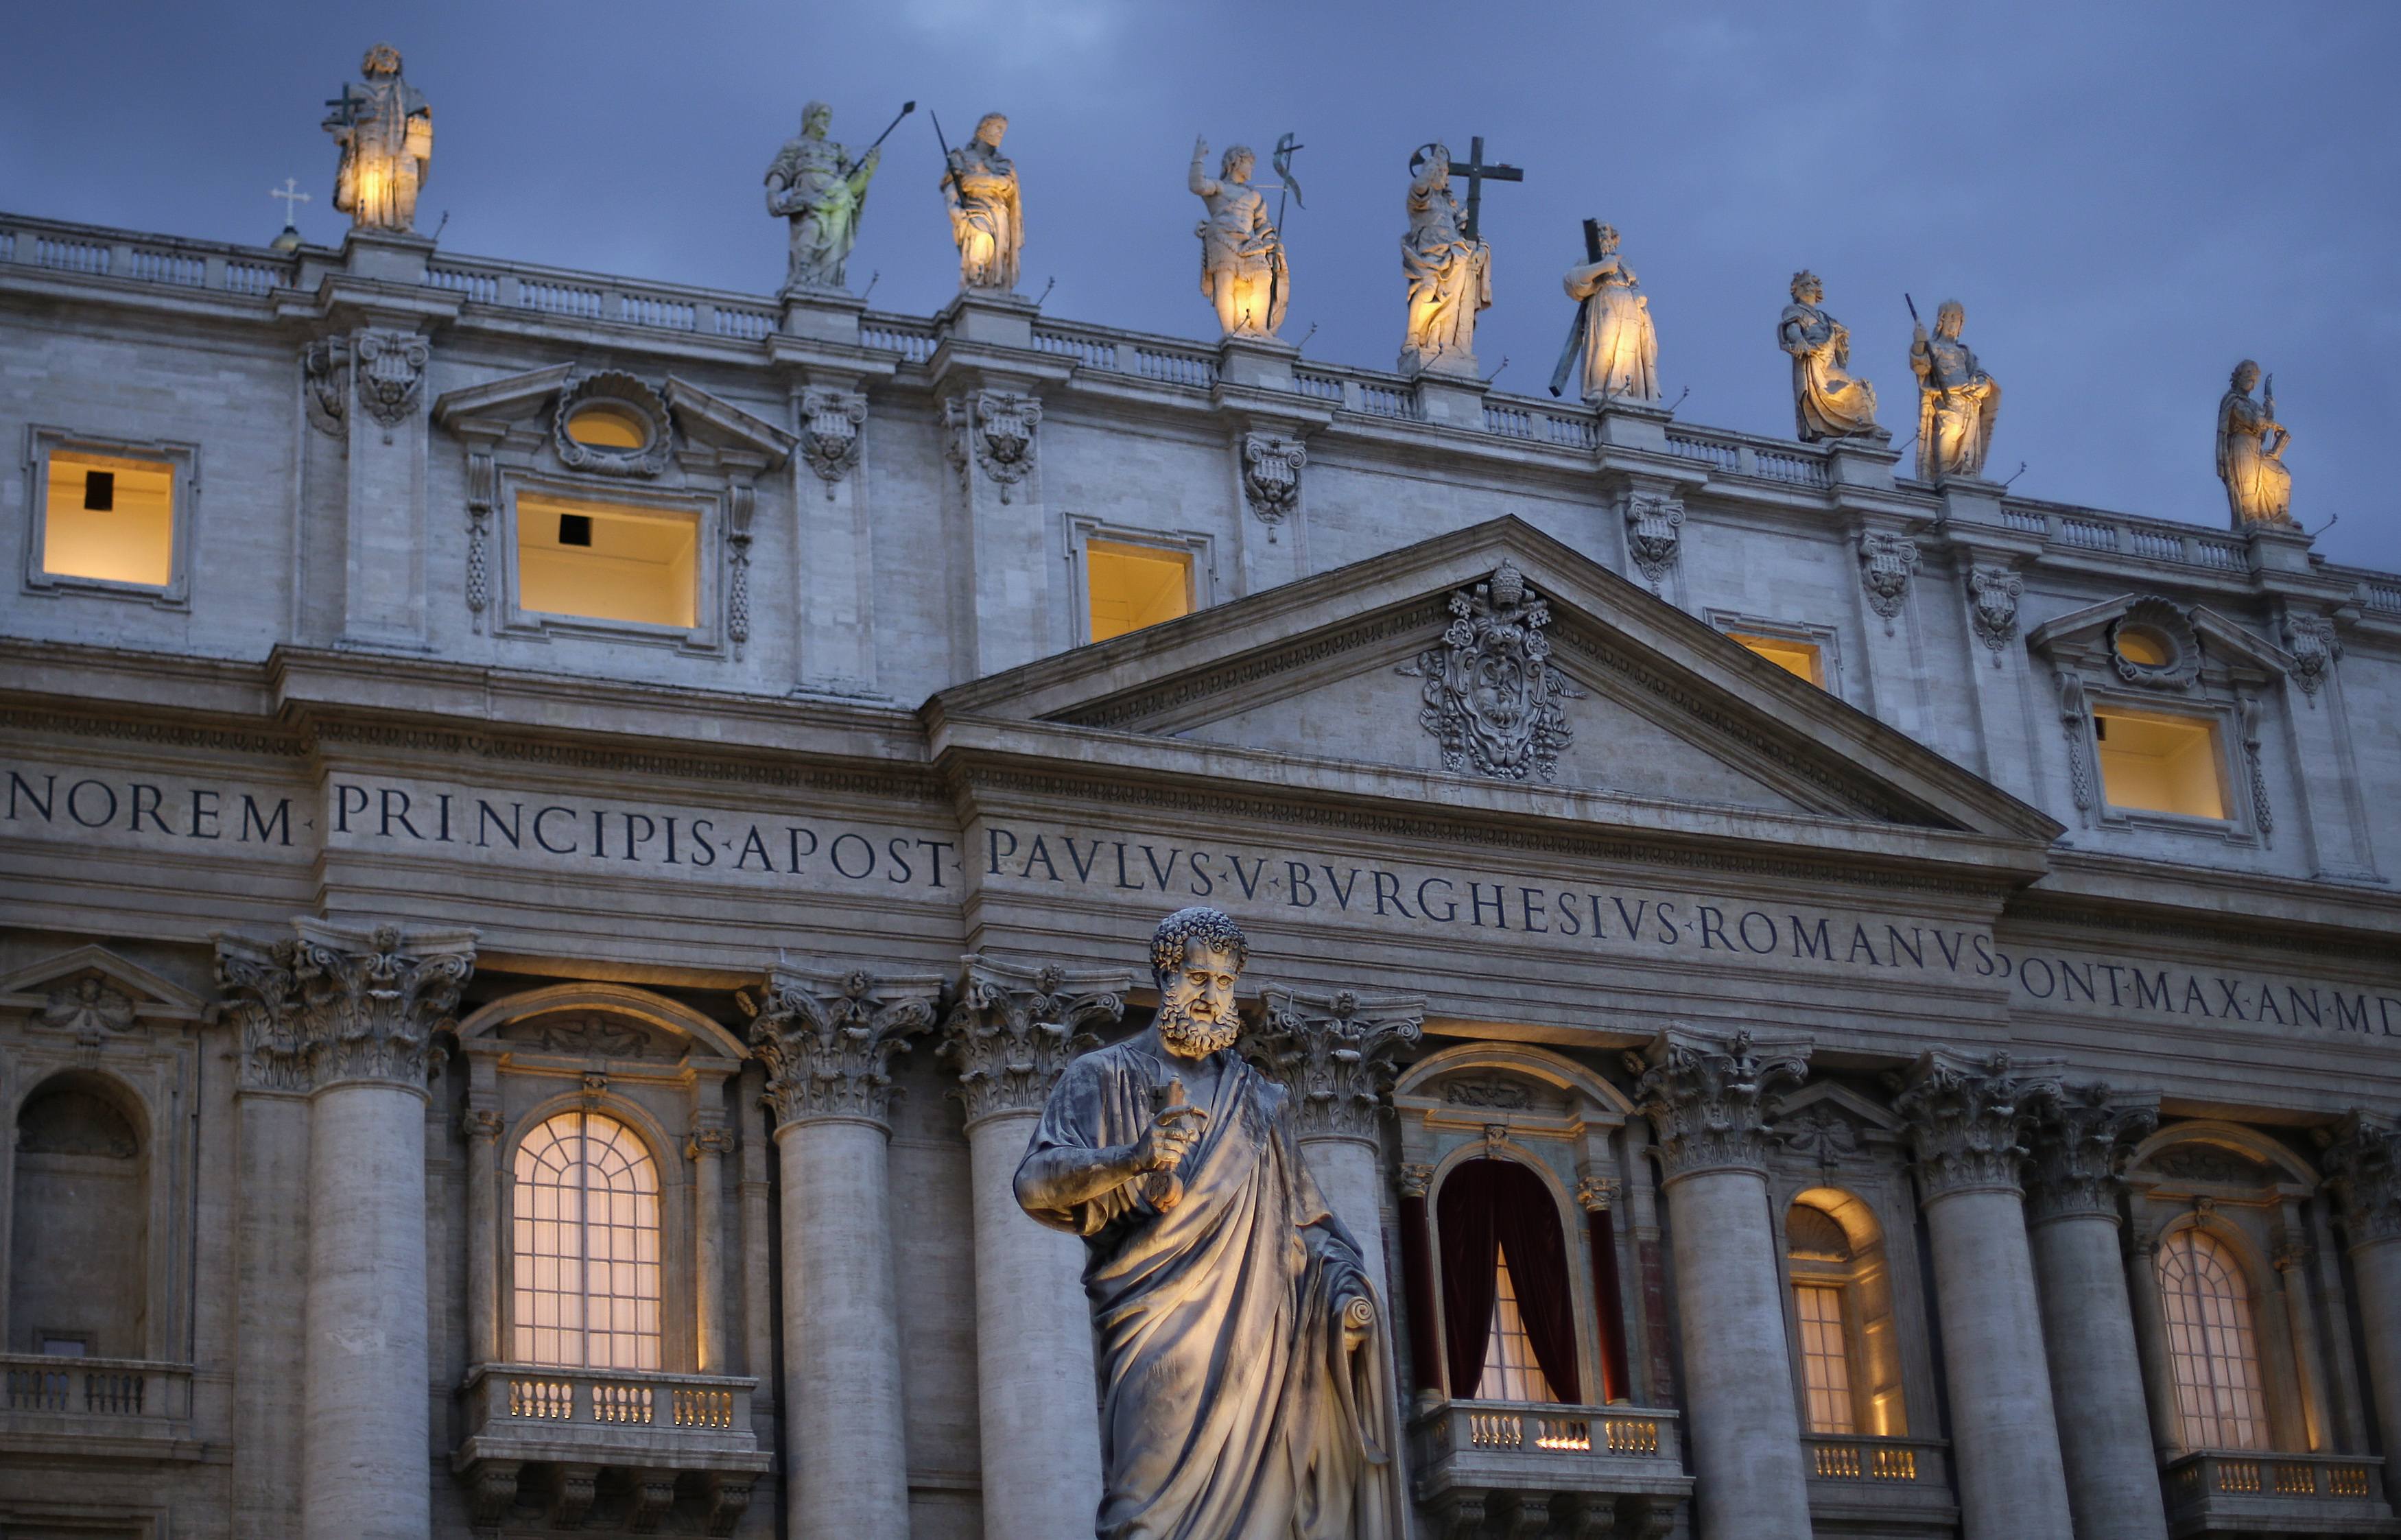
(109,518)
(605,426)
(622,563)
(1133,586)
(1800,658)
(2159,763)
(2148,648)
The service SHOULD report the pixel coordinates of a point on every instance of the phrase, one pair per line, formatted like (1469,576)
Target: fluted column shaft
(1704,1097)
(2096,1373)
(2365,1162)
(1966,1118)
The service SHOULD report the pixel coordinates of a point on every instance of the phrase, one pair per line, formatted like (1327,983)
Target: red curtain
(1492,1209)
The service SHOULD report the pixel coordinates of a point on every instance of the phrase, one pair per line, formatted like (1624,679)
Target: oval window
(604,425)
(2140,644)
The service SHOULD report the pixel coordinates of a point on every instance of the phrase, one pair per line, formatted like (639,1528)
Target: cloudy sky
(2127,196)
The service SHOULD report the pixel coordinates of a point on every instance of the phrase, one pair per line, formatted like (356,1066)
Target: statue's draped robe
(1619,347)
(1827,401)
(387,151)
(1238,240)
(1450,278)
(986,221)
(2258,487)
(1957,405)
(816,188)
(1231,1409)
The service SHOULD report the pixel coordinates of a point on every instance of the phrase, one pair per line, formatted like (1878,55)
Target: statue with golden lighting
(2251,451)
(1613,334)
(980,184)
(1243,1392)
(1827,400)
(1243,270)
(385,133)
(1958,402)
(820,191)
(1449,273)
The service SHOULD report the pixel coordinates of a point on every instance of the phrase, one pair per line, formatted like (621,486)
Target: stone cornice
(2362,1163)
(1333,1054)
(1016,1027)
(2081,1141)
(1709,1098)
(335,1004)
(827,1039)
(1967,1118)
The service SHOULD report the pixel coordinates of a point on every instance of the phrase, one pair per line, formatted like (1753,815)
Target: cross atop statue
(1476,173)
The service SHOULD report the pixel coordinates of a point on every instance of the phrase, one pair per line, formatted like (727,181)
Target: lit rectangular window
(1133,586)
(1825,1357)
(2159,763)
(1794,657)
(1509,1371)
(607,561)
(109,518)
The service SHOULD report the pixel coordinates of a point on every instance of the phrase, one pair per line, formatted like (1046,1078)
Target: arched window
(79,1264)
(587,1235)
(2211,1343)
(1509,1313)
(1841,1309)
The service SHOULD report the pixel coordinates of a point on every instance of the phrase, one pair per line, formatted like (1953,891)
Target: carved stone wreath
(629,396)
(2159,621)
(1492,700)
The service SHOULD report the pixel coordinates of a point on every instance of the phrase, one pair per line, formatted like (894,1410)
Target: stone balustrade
(1863,1482)
(1471,1460)
(2220,1490)
(95,1397)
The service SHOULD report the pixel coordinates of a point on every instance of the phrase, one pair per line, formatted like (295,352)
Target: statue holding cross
(1449,269)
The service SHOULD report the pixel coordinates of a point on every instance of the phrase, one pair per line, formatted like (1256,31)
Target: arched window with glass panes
(2212,1343)
(585,1246)
(1508,1304)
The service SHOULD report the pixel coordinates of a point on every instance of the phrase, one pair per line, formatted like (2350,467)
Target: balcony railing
(2217,1490)
(1880,1480)
(658,1410)
(1487,1449)
(96,1398)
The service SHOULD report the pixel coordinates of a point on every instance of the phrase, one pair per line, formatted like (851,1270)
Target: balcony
(1889,1486)
(616,1446)
(97,1405)
(1602,1469)
(2221,1492)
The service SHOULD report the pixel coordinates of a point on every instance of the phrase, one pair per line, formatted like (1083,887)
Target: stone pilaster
(827,1040)
(2363,1163)
(2081,1141)
(1967,1117)
(1011,1033)
(483,1128)
(709,1144)
(1707,1099)
(384,594)
(1020,599)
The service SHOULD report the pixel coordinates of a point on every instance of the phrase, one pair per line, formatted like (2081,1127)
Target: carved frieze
(2363,1163)
(1654,532)
(1495,1096)
(827,1040)
(1708,1098)
(833,424)
(336,1003)
(2081,1140)
(1886,563)
(1014,1028)
(391,373)
(1271,476)
(1333,1054)
(1967,1118)
(1993,595)
(588,1036)
(2196,1162)
(1492,698)
(2316,649)
(994,429)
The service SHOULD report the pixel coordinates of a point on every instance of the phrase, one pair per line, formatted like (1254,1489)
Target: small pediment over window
(91,993)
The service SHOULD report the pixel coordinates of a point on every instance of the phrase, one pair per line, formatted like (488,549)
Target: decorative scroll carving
(650,1493)
(572,1488)
(338,1003)
(2248,711)
(2362,1163)
(391,374)
(1334,1054)
(1967,1117)
(828,1040)
(1417,1180)
(1886,563)
(492,1495)
(1819,1133)
(729,1498)
(1654,526)
(1492,699)
(627,400)
(479,521)
(1708,1097)
(2158,622)
(710,1140)
(831,421)
(2073,717)
(1597,1194)
(481,1122)
(1015,1028)
(325,370)
(1992,594)
(997,427)
(257,980)
(1500,1095)
(2316,649)
(1271,476)
(2083,1139)
(599,1037)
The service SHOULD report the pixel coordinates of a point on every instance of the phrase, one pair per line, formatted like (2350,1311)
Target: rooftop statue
(1828,401)
(816,185)
(1957,401)
(2251,451)
(1238,1338)
(1449,273)
(980,184)
(1613,326)
(1243,270)
(385,133)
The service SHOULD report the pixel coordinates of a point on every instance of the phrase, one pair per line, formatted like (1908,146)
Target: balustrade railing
(151,266)
(74,256)
(1175,367)
(1469,1429)
(2197,1479)
(1318,386)
(2152,540)
(1883,1461)
(914,342)
(1377,399)
(1089,352)
(670,1407)
(94,1392)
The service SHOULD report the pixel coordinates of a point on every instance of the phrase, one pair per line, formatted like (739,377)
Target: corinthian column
(827,1041)
(1966,1116)
(2363,1167)
(2081,1142)
(1705,1098)
(1333,1054)
(358,1009)
(1012,1032)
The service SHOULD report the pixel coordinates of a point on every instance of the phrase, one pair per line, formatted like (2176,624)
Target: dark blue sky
(2128,197)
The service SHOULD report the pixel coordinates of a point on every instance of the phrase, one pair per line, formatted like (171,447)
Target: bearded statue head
(1197,955)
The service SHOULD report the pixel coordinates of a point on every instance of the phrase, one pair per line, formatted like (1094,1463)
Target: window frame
(2261,1414)
(2224,720)
(1573,1236)
(1196,547)
(706,635)
(1825,639)
(183,460)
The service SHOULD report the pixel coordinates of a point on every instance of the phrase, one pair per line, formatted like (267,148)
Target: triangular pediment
(90,987)
(1363,666)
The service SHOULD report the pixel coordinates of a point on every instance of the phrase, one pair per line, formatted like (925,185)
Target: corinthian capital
(1706,1097)
(2081,1141)
(827,1039)
(1334,1054)
(1967,1115)
(1015,1028)
(2363,1163)
(342,1003)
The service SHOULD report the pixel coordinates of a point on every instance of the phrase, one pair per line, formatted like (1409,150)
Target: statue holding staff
(1243,270)
(979,184)
(1238,1338)
(1612,334)
(1828,401)
(821,190)
(385,133)
(2251,451)
(1449,272)
(1958,402)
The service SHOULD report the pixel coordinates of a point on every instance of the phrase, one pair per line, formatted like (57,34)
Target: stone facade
(337,871)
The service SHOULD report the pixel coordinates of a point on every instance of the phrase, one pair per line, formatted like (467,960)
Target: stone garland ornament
(1993,595)
(479,521)
(2073,716)
(325,366)
(742,503)
(2316,649)
(630,399)
(1654,524)
(1491,697)
(997,428)
(830,438)
(2159,622)
(1886,563)
(2255,772)
(391,374)
(1272,477)
(1334,1054)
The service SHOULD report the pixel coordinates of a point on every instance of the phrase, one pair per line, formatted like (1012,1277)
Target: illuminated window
(1133,586)
(1509,1371)
(1825,1357)
(1800,658)
(2158,763)
(2211,1343)
(586,1245)
(2142,645)
(605,425)
(109,518)
(607,561)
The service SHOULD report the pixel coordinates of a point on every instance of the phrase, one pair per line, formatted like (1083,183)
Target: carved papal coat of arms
(1492,699)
